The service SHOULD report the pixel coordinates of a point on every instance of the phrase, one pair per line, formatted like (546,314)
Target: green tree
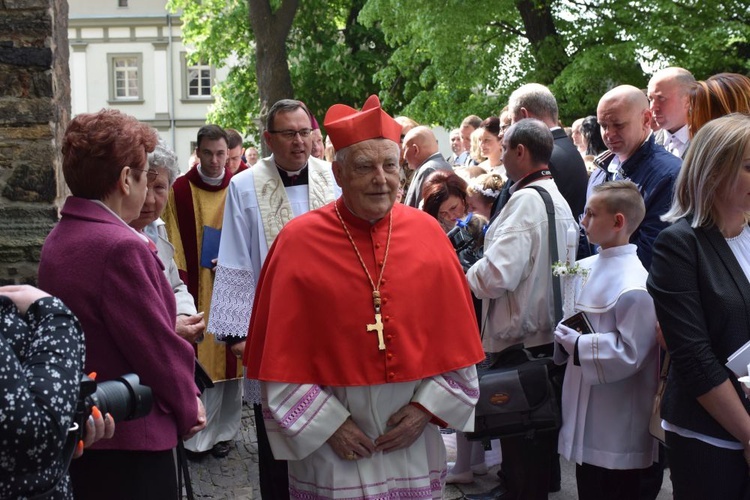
(315,51)
(439,61)
(457,57)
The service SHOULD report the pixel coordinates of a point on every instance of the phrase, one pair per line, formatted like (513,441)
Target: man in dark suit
(536,101)
(421,152)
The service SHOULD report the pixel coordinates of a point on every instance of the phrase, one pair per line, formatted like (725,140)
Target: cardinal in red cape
(363,333)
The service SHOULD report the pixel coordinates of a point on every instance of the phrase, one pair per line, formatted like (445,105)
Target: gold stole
(273,201)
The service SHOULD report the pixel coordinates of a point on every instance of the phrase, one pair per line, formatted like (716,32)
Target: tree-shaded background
(440,61)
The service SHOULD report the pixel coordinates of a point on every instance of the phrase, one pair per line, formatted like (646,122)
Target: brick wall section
(34,110)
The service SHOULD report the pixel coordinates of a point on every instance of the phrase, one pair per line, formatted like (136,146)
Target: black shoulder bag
(516,395)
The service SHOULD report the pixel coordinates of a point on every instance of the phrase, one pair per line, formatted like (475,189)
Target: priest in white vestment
(260,201)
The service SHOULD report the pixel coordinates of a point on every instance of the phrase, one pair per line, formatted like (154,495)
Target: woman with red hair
(717,96)
(113,282)
(444,197)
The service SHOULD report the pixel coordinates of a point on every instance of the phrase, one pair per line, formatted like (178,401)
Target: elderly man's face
(252,156)
(369,179)
(317,144)
(156,200)
(290,153)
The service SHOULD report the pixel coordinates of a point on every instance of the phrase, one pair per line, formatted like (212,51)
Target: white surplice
(243,249)
(300,419)
(607,400)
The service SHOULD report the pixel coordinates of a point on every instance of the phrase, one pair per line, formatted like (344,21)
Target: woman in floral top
(41,358)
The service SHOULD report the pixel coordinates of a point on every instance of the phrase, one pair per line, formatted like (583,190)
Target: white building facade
(128,55)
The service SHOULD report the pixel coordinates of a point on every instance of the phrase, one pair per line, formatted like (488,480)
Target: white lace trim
(232,302)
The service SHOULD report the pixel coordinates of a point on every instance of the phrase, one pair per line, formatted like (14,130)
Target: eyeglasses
(289,135)
(151,174)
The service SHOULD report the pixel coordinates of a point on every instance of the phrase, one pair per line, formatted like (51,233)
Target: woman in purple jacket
(113,282)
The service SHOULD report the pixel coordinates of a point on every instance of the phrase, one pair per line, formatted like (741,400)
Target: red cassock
(314,302)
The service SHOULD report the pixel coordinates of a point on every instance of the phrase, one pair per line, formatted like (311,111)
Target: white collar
(612,272)
(212,181)
(681,135)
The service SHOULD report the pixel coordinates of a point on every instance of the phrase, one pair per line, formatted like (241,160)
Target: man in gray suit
(421,152)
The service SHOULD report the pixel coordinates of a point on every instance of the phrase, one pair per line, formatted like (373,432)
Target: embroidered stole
(273,201)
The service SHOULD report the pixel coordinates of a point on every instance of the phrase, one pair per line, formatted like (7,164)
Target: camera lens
(123,398)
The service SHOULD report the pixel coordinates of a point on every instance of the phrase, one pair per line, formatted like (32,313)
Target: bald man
(421,152)
(668,92)
(625,119)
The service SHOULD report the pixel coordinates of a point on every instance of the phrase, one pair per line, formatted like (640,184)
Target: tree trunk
(271,30)
(547,46)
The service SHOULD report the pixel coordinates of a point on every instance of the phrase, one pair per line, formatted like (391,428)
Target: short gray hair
(535,136)
(341,156)
(163,157)
(537,99)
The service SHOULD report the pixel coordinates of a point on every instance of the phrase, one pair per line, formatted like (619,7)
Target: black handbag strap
(553,253)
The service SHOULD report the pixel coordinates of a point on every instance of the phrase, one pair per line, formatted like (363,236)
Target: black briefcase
(516,397)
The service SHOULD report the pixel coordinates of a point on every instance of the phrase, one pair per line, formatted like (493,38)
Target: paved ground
(233,477)
(236,476)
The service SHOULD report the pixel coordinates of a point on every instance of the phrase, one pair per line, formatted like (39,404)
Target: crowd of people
(360,284)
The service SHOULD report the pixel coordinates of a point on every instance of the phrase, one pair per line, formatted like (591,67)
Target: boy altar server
(612,373)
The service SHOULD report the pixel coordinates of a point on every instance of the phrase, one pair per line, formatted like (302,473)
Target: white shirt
(678,142)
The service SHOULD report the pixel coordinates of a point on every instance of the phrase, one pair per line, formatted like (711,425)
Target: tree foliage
(331,57)
(466,56)
(440,61)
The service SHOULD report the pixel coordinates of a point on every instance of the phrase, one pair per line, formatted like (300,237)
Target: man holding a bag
(514,281)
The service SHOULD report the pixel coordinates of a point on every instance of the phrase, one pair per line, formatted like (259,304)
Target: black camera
(460,237)
(123,398)
(467,238)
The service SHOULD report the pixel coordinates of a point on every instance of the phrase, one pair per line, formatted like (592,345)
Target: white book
(739,360)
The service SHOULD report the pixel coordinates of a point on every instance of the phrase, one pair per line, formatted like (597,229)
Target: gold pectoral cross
(378,325)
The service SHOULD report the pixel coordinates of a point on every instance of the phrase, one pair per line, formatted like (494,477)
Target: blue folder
(210,246)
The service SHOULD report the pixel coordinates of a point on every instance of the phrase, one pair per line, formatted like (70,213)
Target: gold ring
(351,456)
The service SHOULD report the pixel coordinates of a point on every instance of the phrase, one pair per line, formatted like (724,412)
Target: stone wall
(34,110)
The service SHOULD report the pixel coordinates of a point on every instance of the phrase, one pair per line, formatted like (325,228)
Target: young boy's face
(599,222)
